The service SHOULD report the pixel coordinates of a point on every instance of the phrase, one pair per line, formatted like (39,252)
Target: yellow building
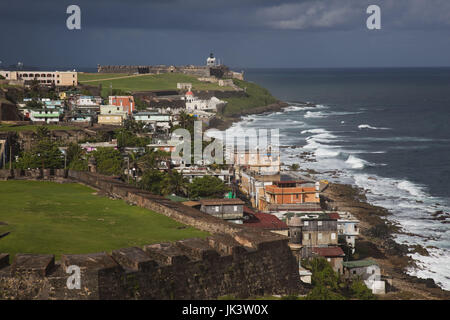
(45,78)
(112,119)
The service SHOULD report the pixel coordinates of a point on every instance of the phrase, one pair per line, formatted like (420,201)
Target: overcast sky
(243,33)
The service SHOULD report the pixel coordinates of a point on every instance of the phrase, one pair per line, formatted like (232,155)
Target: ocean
(384,130)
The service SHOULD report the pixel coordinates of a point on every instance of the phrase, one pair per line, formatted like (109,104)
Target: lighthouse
(211,61)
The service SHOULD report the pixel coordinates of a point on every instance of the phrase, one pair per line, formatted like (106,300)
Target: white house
(194,103)
(368,271)
(88,100)
(348,229)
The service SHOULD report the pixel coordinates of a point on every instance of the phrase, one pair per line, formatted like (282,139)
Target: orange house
(289,192)
(126,102)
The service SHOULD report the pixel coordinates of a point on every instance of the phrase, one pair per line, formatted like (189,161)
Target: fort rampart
(234,260)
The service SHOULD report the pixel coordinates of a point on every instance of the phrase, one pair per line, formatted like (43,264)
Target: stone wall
(202,71)
(234,260)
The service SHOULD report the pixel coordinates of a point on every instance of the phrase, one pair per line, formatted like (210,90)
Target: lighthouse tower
(211,61)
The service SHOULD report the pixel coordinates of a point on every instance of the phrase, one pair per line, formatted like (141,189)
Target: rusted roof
(264,221)
(334,215)
(328,251)
(216,202)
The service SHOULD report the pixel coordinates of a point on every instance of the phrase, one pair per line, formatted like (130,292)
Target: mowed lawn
(18,128)
(48,217)
(148,82)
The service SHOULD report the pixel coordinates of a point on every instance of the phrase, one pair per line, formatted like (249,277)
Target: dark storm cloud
(243,32)
(229,15)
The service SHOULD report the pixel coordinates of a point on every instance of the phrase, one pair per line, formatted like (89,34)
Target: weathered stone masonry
(233,261)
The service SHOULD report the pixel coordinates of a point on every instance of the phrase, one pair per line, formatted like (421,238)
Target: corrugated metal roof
(328,251)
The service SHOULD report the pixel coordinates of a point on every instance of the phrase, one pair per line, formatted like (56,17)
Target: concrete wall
(235,260)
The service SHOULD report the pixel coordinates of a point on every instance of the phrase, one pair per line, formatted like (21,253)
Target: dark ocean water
(385,130)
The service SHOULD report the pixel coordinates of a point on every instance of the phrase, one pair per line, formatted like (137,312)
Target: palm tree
(174,182)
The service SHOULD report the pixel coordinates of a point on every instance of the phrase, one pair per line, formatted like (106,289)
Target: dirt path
(132,76)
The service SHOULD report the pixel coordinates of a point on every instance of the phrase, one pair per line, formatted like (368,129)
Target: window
(319,223)
(235,208)
(306,223)
(333,236)
(319,236)
(217,209)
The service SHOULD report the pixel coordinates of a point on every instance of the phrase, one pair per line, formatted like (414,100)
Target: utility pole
(10,157)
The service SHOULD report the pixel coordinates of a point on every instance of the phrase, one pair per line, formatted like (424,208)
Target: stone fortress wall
(220,71)
(234,260)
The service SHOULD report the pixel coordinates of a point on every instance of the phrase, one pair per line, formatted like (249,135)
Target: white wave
(435,266)
(356,163)
(366,126)
(413,189)
(326,153)
(320,114)
(319,130)
(299,108)
(316,114)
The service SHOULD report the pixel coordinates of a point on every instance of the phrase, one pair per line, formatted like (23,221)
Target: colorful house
(126,102)
(289,195)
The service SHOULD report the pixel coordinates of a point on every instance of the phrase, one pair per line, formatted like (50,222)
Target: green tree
(109,161)
(76,159)
(152,159)
(33,104)
(174,183)
(45,154)
(42,132)
(359,290)
(140,104)
(294,167)
(320,292)
(152,180)
(127,138)
(207,187)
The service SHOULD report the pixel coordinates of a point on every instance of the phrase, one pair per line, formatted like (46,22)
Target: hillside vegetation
(257,97)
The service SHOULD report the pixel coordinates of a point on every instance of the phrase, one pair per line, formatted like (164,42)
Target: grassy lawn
(258,97)
(166,81)
(9,127)
(47,217)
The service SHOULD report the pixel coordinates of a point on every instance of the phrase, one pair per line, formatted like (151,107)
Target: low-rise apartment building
(45,78)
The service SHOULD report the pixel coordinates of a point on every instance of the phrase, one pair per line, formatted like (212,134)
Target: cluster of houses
(89,110)
(288,203)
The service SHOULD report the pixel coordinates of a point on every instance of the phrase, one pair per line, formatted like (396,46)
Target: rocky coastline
(376,239)
(225,122)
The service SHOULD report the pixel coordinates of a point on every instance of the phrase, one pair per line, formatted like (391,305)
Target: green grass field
(47,217)
(147,82)
(258,97)
(14,128)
